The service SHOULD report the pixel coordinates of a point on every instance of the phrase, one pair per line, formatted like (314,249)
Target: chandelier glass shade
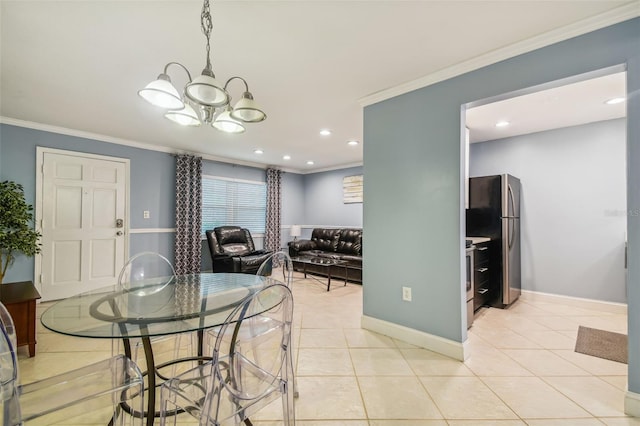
(226,123)
(161,93)
(185,116)
(204,99)
(247,110)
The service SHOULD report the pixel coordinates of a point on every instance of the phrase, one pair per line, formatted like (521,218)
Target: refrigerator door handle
(512,200)
(511,216)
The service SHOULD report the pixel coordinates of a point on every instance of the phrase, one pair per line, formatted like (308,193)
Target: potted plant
(16,234)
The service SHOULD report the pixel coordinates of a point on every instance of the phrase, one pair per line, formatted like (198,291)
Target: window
(233,202)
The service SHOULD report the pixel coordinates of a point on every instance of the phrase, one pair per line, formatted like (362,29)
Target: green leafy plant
(16,234)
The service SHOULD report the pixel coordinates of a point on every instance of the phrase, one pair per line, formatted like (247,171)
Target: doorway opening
(566,142)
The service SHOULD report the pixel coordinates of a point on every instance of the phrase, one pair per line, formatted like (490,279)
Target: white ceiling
(78,65)
(568,105)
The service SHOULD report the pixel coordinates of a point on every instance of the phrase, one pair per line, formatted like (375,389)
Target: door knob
(119,233)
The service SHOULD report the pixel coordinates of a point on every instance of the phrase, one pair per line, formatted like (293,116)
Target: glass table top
(186,303)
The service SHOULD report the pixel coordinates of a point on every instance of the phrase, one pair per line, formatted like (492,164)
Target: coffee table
(322,265)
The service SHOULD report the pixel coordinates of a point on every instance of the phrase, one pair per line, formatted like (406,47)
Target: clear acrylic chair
(279,263)
(103,392)
(244,376)
(10,328)
(144,274)
(7,321)
(275,266)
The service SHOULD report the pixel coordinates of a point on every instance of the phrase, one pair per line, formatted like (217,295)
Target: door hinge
(41,279)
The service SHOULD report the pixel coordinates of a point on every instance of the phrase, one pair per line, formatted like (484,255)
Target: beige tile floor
(522,369)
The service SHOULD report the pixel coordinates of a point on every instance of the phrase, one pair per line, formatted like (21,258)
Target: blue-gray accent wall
(413,170)
(152,188)
(324,199)
(152,184)
(573,206)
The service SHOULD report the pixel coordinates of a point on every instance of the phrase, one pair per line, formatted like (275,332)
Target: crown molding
(131,143)
(331,168)
(628,11)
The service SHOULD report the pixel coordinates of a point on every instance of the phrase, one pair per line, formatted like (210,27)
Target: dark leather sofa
(339,243)
(232,250)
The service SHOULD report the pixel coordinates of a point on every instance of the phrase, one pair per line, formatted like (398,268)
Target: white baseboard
(611,307)
(450,348)
(632,404)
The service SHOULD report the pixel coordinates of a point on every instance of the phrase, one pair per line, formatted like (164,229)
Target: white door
(83,222)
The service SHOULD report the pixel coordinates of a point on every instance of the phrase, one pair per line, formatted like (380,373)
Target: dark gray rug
(603,344)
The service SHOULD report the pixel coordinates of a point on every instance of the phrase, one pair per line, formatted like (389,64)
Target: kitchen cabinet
(484,275)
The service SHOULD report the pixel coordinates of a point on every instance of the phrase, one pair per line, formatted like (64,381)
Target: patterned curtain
(274,200)
(188,246)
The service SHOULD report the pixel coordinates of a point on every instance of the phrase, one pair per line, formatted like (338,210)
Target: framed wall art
(352,189)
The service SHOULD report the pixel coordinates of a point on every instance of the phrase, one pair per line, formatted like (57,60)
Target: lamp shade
(295,230)
(225,123)
(247,110)
(161,93)
(206,90)
(186,116)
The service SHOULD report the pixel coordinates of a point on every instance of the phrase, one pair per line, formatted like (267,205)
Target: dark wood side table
(20,300)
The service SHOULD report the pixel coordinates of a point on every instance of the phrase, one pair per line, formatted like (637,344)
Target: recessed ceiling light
(325,132)
(502,123)
(353,143)
(310,163)
(258,151)
(615,101)
(286,157)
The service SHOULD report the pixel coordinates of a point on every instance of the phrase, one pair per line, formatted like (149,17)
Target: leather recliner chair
(232,250)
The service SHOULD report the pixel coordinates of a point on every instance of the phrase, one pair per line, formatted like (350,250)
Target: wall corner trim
(620,14)
(632,404)
(450,348)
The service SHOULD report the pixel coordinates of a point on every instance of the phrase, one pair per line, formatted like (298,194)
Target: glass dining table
(185,303)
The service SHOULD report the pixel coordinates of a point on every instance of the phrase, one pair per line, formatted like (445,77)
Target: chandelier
(204,99)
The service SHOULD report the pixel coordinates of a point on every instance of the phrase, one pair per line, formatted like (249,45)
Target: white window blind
(233,202)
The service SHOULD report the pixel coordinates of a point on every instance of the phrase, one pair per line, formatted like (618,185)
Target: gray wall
(574,200)
(413,168)
(153,189)
(152,184)
(324,204)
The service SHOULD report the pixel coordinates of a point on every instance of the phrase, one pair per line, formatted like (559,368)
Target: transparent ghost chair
(104,392)
(9,326)
(145,274)
(276,265)
(241,378)
(7,321)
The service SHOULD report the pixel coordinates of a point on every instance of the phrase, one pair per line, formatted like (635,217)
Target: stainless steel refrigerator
(494,212)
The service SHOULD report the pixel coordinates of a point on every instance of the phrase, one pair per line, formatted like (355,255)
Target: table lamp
(295,231)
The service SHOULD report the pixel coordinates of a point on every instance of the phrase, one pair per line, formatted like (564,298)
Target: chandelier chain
(206,25)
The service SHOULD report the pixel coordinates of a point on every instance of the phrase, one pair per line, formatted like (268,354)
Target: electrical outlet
(406,294)
(145,214)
